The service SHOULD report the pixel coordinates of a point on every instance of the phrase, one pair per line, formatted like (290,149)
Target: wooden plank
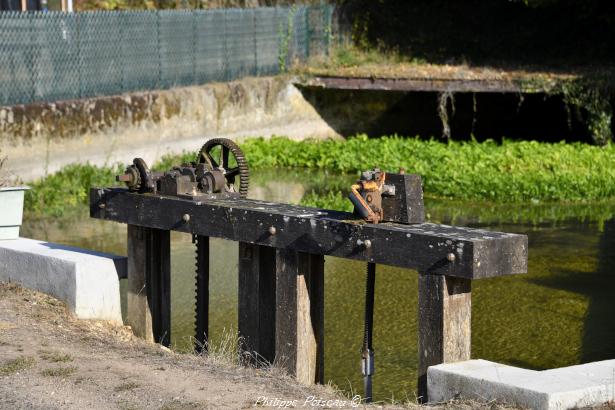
(300,315)
(202,294)
(444,323)
(138,314)
(453,251)
(256,321)
(158,281)
(415,84)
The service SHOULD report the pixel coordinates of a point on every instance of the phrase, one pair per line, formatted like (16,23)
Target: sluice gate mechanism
(281,258)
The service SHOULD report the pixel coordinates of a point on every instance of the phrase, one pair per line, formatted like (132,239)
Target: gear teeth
(242,163)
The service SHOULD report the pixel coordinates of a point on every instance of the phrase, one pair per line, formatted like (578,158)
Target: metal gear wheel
(224,162)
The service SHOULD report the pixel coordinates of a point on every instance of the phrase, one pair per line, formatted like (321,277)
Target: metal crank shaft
(202,293)
(367,354)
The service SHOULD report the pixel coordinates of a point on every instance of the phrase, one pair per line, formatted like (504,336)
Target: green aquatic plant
(511,172)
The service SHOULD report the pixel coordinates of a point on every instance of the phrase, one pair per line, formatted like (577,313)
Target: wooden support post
(149,284)
(202,293)
(299,333)
(138,315)
(444,323)
(256,321)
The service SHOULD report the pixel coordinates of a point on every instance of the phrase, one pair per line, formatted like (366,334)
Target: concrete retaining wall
(87,281)
(41,138)
(580,386)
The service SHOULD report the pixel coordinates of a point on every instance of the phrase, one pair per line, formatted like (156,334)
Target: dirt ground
(51,360)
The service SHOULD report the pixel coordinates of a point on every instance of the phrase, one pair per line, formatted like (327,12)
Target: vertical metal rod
(202,293)
(367,355)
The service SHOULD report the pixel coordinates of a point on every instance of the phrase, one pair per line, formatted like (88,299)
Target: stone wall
(41,138)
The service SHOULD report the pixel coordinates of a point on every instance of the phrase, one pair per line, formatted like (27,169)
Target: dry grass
(55,357)
(59,371)
(16,365)
(130,385)
(228,351)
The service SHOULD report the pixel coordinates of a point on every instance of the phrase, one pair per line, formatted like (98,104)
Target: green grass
(59,371)
(510,172)
(16,365)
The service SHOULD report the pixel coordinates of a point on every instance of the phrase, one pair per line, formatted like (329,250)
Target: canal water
(559,314)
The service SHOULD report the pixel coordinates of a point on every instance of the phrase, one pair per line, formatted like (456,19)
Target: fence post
(444,323)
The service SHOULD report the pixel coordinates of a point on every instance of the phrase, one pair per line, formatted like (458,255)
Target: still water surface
(559,314)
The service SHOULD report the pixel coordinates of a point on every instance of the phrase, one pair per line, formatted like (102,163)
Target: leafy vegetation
(524,172)
(68,188)
(527,32)
(174,4)
(510,171)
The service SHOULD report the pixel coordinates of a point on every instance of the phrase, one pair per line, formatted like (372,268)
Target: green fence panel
(299,32)
(318,30)
(55,52)
(15,58)
(176,37)
(267,40)
(139,45)
(210,48)
(100,53)
(240,50)
(50,56)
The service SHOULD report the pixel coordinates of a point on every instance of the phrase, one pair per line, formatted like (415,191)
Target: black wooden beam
(439,249)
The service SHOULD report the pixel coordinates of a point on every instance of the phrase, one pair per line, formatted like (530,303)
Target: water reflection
(592,277)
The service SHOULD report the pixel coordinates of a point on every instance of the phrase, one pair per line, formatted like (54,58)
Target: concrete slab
(564,388)
(87,281)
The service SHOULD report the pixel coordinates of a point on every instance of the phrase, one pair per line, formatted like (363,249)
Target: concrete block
(564,388)
(87,281)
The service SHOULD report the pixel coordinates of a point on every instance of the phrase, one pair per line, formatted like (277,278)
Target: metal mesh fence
(50,56)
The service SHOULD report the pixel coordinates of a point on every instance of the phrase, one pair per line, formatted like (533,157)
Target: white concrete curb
(87,281)
(564,388)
